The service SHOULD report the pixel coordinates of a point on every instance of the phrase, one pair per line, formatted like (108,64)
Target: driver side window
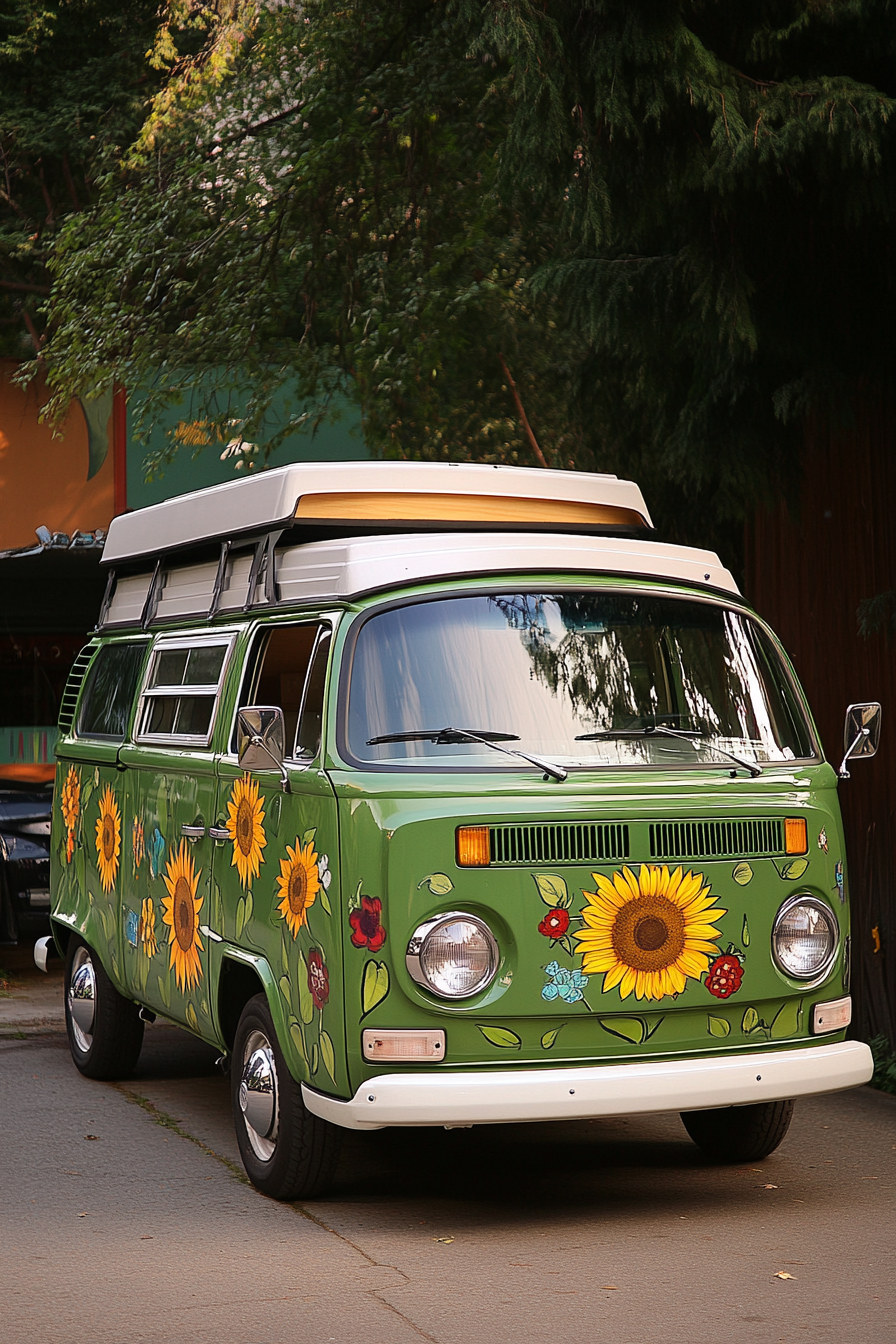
(287,668)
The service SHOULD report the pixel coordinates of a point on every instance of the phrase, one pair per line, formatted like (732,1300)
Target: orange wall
(43,480)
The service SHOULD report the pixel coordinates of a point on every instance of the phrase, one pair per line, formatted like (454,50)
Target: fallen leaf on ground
(91,1136)
(147,1236)
(609,1288)
(782,1274)
(443,1240)
(769,1187)
(82,1215)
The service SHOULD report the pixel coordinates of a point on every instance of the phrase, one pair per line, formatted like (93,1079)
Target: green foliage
(74,84)
(884,1065)
(670,224)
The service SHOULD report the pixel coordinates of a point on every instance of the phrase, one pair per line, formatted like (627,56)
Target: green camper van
(442,794)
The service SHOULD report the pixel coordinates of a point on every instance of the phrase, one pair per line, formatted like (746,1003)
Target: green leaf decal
(550,1037)
(284,957)
(743,874)
(794,869)
(328,1054)
(325,900)
(439,884)
(306,1003)
(552,890)
(750,1021)
(651,1027)
(786,1021)
(500,1036)
(240,916)
(566,944)
(745,933)
(308,837)
(718,1026)
(286,988)
(250,906)
(315,1057)
(633,1029)
(192,1018)
(374,985)
(164,990)
(295,1032)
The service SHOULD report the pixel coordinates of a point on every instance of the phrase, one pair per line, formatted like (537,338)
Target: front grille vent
(72,687)
(559,842)
(716,839)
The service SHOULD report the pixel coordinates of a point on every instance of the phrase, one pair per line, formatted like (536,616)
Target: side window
(281,667)
(312,716)
(181,691)
(109,691)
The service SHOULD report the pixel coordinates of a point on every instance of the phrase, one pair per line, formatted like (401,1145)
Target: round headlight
(805,936)
(453,955)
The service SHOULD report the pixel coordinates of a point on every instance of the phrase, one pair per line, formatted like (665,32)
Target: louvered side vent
(72,687)
(716,839)
(550,842)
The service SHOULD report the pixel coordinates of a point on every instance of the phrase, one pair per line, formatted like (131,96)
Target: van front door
(276,859)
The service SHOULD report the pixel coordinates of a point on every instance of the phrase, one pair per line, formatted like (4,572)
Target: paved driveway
(126,1218)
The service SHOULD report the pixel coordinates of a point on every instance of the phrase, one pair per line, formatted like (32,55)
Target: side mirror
(861,733)
(261,740)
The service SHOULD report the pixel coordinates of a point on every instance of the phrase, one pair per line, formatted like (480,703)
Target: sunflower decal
(180,911)
(146,928)
(245,825)
(108,839)
(649,933)
(70,803)
(298,884)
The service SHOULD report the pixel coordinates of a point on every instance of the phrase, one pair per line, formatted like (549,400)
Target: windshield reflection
(551,668)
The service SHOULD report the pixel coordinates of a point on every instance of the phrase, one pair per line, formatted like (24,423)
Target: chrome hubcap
(258,1095)
(82,999)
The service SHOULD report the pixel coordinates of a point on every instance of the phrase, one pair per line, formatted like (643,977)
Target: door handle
(193,833)
(218,833)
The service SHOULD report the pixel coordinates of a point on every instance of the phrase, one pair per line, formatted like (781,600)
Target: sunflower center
(108,837)
(297,891)
(649,933)
(245,826)
(184,914)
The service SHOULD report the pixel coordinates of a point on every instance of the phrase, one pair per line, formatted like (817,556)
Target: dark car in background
(24,862)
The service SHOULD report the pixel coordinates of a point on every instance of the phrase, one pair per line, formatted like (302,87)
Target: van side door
(171,767)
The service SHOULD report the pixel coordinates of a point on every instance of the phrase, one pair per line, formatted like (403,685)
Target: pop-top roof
(404,496)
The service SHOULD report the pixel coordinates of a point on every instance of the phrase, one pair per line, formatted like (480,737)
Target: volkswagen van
(442,794)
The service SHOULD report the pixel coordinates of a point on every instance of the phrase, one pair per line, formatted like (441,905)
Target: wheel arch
(242,976)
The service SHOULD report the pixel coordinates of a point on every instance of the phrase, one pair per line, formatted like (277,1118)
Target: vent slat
(753,838)
(72,687)
(559,843)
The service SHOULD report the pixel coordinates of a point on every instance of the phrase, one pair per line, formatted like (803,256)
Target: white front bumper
(586,1093)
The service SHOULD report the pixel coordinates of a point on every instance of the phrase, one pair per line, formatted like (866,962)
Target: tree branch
(533,442)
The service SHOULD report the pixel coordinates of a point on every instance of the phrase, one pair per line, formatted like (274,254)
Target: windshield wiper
(446,737)
(660,730)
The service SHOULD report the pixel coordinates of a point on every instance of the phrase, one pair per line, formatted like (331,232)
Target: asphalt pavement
(126,1217)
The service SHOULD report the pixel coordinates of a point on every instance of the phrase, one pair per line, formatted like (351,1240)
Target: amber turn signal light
(473,847)
(796,838)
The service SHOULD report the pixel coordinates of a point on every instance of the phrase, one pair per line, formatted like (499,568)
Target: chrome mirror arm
(843,773)
(257,741)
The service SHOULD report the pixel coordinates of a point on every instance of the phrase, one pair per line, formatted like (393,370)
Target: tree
(74,84)
(669,224)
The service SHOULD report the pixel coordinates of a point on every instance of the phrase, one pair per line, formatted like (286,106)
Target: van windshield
(585,679)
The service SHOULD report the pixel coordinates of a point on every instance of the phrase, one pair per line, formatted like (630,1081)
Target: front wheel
(105,1033)
(288,1153)
(740,1133)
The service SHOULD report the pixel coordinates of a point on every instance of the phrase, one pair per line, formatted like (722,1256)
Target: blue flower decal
(156,852)
(563,984)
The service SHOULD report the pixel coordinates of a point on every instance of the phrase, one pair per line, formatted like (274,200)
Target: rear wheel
(740,1133)
(288,1153)
(105,1033)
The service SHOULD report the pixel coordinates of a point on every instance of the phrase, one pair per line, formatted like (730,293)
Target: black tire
(288,1153)
(106,1042)
(740,1133)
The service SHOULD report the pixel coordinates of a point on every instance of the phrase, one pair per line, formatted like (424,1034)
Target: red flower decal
(318,978)
(554,924)
(724,976)
(367,931)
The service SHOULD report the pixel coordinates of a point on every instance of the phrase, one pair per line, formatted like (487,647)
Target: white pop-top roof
(343,569)
(331,493)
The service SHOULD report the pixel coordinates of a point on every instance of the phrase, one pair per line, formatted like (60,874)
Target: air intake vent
(551,842)
(715,839)
(72,687)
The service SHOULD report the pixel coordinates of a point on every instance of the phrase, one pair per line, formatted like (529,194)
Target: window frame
(143,642)
(148,693)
